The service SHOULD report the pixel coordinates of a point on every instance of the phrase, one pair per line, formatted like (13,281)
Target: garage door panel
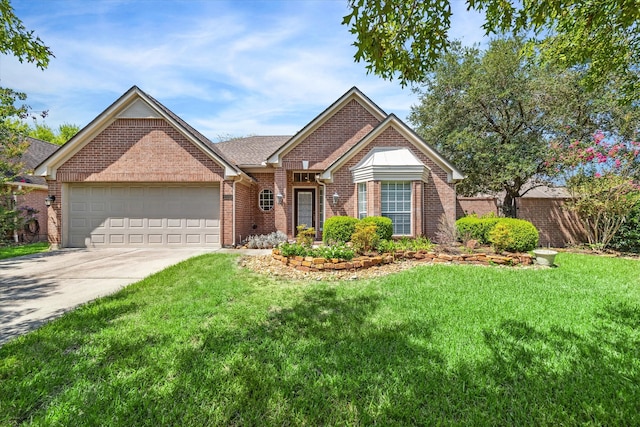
(116,223)
(78,207)
(136,239)
(96,238)
(116,239)
(174,223)
(212,239)
(141,215)
(155,223)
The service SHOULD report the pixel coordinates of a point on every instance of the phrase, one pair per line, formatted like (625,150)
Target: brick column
(417,194)
(280,211)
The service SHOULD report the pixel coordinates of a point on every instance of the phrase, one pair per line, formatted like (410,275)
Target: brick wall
(477,205)
(139,150)
(264,220)
(34,198)
(333,138)
(246,207)
(430,200)
(557,226)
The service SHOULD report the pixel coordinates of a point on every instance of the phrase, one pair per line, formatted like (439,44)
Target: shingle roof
(252,150)
(37,151)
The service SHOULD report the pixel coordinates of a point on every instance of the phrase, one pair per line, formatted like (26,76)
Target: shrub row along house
(138,175)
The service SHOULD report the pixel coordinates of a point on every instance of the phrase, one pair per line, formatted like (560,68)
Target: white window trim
(260,199)
(362,202)
(410,212)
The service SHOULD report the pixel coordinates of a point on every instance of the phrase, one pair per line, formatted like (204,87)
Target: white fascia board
(28,185)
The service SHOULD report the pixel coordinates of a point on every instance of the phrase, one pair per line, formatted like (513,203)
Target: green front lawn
(206,343)
(12,251)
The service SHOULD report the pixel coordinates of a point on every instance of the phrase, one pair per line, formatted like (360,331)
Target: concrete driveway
(37,288)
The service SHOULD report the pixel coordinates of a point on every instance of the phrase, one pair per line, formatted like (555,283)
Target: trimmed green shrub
(338,229)
(420,243)
(627,238)
(500,237)
(365,238)
(472,227)
(514,235)
(384,226)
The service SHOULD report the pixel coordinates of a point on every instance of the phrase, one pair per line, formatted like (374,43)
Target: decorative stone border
(324,264)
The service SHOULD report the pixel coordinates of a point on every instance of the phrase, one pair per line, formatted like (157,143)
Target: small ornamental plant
(305,235)
(364,239)
(500,238)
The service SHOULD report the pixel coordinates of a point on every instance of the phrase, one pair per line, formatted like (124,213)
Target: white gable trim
(133,104)
(353,94)
(453,174)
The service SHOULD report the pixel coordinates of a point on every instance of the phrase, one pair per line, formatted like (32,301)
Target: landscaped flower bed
(310,263)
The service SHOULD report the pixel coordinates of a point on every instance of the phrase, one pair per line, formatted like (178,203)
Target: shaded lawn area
(207,343)
(12,251)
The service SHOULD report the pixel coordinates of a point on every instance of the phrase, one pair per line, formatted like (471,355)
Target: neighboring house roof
(535,191)
(353,93)
(134,104)
(35,153)
(252,150)
(547,192)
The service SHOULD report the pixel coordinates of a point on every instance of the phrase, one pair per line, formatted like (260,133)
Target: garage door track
(38,288)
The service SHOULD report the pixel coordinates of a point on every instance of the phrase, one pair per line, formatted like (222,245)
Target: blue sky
(229,68)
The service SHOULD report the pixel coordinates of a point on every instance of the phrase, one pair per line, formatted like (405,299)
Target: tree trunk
(509,205)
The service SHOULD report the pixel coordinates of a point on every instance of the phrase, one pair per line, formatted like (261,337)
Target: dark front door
(305,208)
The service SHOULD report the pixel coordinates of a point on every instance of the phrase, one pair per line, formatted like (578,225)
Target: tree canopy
(404,39)
(59,136)
(15,40)
(495,113)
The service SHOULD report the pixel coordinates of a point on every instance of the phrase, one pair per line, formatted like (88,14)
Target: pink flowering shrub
(601,177)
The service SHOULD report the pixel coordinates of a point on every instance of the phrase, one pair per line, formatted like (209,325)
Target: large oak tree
(495,113)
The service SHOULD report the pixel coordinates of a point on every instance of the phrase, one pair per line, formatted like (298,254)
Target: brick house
(138,175)
(30,191)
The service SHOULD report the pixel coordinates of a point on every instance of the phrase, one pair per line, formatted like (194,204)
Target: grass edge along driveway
(207,343)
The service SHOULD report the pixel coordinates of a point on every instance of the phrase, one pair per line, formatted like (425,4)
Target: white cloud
(234,68)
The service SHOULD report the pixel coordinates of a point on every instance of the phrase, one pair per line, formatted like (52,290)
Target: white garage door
(142,215)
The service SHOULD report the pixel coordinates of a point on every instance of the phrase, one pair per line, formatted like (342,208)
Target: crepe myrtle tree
(603,180)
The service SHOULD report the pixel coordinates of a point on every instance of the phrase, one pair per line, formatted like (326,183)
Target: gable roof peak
(348,96)
(136,104)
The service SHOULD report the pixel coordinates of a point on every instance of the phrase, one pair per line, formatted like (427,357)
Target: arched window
(265,200)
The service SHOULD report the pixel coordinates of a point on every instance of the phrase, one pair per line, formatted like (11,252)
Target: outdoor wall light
(49,199)
(280,198)
(336,196)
